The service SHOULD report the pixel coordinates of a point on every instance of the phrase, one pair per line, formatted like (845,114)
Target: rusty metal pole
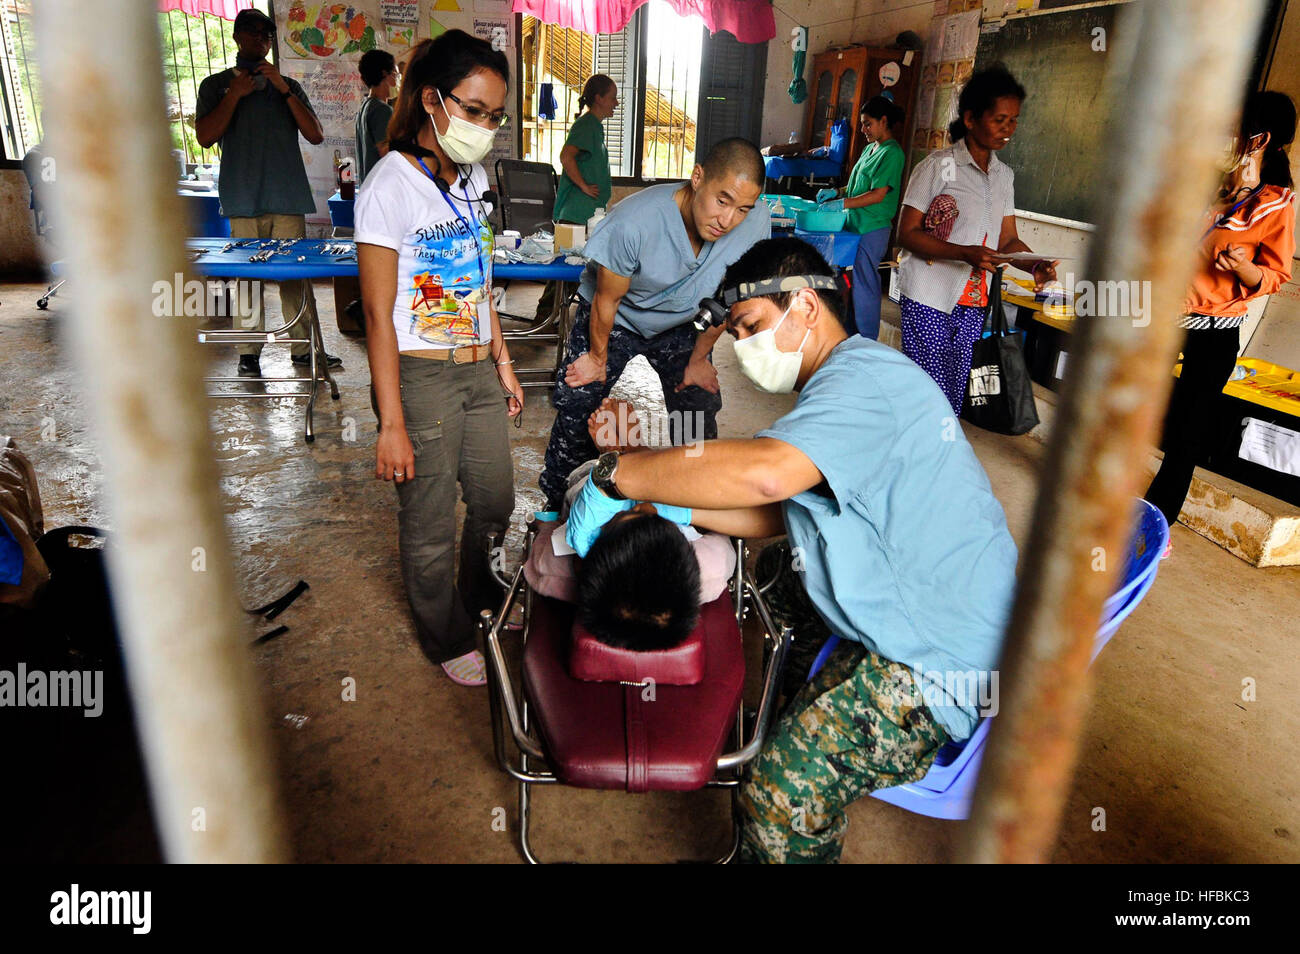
(1175,86)
(122,228)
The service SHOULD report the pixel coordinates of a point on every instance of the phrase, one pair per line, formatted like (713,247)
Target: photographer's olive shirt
(262,171)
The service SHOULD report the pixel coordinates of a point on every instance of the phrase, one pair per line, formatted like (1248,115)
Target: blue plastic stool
(946,790)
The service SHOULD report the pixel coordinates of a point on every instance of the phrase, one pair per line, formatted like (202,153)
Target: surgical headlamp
(713,311)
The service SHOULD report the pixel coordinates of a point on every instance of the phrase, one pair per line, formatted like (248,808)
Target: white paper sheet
(1032,256)
(1270,445)
(961,34)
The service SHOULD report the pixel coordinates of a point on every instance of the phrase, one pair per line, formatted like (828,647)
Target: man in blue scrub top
(651,260)
(899,544)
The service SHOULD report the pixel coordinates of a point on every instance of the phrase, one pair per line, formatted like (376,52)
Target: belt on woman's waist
(465,354)
(1195,322)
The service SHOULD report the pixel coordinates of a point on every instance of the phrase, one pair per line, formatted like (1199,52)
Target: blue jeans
(866,282)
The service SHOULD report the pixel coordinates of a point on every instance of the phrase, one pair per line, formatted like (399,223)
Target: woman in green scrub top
(872,201)
(585,185)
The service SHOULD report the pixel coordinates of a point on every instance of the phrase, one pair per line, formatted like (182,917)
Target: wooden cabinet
(842,80)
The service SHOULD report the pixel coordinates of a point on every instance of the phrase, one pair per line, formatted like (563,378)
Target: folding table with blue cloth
(823,163)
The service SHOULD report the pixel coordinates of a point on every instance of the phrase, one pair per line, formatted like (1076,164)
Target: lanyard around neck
(446,197)
(1222,220)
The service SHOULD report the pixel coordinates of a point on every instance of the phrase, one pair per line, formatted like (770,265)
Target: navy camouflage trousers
(692,412)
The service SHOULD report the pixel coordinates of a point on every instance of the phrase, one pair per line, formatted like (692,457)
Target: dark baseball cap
(253,21)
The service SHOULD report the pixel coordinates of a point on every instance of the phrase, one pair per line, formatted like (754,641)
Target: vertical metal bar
(640,92)
(686,101)
(176,71)
(10,94)
(1181,64)
(197,704)
(207,52)
(27,73)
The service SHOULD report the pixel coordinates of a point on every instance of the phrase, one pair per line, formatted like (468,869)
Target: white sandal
(467,670)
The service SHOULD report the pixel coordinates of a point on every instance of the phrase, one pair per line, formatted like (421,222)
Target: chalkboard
(1058,149)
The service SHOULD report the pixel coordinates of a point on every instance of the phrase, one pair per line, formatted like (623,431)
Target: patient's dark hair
(783,258)
(640,585)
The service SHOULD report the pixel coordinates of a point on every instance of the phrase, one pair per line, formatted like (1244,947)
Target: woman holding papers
(958,215)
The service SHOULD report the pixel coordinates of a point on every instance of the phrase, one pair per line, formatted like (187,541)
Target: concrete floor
(1185,770)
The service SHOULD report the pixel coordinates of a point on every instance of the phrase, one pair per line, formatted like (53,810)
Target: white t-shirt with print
(444,252)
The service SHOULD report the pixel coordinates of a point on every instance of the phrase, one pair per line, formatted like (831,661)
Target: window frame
(640,24)
(16,162)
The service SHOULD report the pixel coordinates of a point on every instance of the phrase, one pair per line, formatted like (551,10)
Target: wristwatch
(603,474)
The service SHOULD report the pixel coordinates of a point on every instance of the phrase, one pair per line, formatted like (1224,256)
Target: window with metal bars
(20,88)
(193,47)
(680,90)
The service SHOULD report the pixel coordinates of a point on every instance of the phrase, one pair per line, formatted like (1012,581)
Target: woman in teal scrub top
(872,201)
(585,185)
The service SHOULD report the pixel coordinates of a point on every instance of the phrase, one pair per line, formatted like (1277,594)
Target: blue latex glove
(681,515)
(835,206)
(825,195)
(590,512)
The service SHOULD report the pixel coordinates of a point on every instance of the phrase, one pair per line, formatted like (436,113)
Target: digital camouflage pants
(854,728)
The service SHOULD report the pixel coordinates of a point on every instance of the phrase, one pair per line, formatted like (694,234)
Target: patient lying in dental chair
(644,577)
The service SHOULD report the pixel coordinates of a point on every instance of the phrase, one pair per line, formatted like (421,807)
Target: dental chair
(588,715)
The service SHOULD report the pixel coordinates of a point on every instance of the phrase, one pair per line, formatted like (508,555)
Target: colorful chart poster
(324,30)
(400,19)
(336,94)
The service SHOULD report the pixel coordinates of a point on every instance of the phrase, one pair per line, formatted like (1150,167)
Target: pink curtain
(226,9)
(749,21)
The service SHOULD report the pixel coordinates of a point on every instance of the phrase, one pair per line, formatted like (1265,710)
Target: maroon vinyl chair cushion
(592,661)
(634,737)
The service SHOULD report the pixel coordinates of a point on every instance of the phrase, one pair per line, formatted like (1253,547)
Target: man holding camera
(256,115)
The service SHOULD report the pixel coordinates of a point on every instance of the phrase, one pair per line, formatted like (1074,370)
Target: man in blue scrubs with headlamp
(898,543)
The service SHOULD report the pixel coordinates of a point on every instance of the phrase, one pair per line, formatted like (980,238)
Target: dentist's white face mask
(464,142)
(771,369)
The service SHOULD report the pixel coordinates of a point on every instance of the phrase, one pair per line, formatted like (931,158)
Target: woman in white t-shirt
(442,382)
(958,220)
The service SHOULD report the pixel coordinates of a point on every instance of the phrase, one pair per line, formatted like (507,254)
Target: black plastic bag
(999,392)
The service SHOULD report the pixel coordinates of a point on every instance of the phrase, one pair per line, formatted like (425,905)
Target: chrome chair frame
(507,704)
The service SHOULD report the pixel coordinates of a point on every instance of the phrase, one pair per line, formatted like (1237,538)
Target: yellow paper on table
(1024,288)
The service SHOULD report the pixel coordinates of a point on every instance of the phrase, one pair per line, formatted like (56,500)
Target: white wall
(831,23)
(20,254)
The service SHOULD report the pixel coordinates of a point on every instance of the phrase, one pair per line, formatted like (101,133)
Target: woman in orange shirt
(1246,252)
